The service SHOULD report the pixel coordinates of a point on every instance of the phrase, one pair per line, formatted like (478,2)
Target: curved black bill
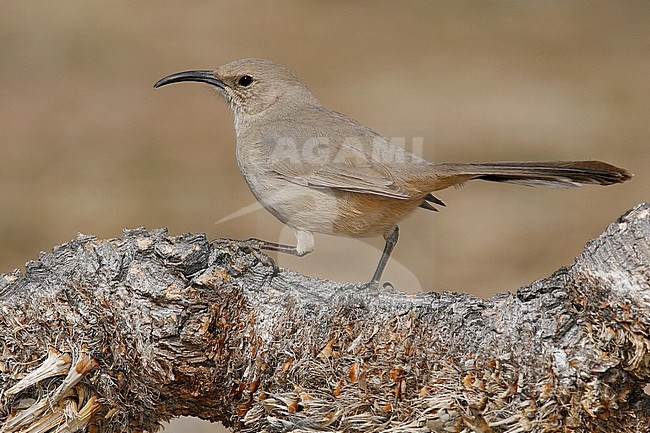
(199,76)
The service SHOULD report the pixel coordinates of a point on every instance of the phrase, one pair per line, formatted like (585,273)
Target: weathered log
(118,335)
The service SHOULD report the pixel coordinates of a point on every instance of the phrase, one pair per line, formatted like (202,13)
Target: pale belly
(327,210)
(295,205)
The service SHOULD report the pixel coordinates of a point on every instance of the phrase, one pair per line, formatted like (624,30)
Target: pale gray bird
(320,171)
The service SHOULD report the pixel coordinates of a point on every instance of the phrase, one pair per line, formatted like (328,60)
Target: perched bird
(320,171)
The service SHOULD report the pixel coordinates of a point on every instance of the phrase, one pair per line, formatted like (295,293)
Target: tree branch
(118,335)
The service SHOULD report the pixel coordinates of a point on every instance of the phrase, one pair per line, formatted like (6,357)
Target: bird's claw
(254,247)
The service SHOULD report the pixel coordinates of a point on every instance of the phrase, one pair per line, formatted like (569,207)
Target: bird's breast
(295,205)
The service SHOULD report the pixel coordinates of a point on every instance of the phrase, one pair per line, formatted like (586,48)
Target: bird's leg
(304,244)
(391,241)
(272,246)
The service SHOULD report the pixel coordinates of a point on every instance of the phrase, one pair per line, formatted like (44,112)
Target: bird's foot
(376,287)
(254,247)
(223,241)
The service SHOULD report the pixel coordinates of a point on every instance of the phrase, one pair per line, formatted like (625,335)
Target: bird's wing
(348,170)
(358,162)
(326,149)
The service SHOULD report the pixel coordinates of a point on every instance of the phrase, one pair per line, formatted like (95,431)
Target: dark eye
(245,80)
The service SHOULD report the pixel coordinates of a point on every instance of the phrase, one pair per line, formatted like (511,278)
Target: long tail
(552,174)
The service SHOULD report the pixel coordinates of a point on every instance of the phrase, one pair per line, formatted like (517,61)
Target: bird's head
(251,86)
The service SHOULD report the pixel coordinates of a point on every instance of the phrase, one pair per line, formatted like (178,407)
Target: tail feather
(429,201)
(547,173)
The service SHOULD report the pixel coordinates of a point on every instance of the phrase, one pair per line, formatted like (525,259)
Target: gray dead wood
(118,335)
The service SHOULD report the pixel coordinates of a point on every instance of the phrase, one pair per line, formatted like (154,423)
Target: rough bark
(118,335)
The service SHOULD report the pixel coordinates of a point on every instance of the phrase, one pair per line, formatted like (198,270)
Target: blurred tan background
(87,145)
